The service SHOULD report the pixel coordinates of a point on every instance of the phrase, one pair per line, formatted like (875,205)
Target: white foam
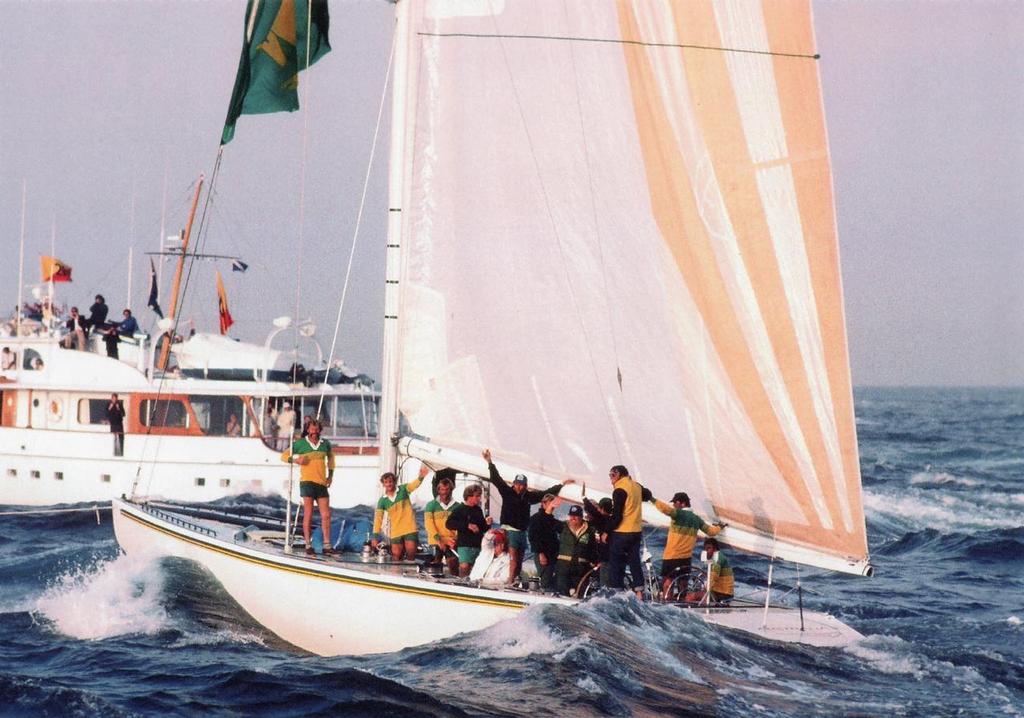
(524,635)
(1013,621)
(589,685)
(112,598)
(940,478)
(944,512)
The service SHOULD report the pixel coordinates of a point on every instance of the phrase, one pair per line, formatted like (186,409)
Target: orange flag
(54,270)
(222,307)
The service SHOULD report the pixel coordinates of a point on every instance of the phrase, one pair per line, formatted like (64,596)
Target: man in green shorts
(395,503)
(316,459)
(470,525)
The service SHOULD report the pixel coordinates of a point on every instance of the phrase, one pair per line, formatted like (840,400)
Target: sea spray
(110,598)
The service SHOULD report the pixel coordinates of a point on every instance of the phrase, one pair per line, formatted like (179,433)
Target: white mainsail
(619,246)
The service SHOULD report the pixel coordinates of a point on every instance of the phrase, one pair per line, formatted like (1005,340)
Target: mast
(390,370)
(166,351)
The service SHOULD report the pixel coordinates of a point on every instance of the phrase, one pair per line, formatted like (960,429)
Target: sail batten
(624,251)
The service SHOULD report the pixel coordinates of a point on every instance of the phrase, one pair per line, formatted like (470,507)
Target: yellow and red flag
(222,307)
(54,270)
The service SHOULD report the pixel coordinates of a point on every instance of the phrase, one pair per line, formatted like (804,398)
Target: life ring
(56,408)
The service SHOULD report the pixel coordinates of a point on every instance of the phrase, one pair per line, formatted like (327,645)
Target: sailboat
(611,240)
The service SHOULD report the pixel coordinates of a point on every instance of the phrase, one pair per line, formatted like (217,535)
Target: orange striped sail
(621,248)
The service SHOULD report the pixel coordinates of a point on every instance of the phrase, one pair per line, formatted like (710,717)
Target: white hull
(334,608)
(40,467)
(322,606)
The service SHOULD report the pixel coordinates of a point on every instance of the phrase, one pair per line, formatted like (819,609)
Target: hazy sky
(101,103)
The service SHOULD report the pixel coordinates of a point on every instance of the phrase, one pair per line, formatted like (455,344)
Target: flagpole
(21,257)
(53,253)
(166,351)
(163,225)
(131,246)
(128,303)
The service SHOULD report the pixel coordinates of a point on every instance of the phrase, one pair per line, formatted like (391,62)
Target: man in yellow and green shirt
(722,581)
(395,502)
(682,537)
(316,460)
(435,515)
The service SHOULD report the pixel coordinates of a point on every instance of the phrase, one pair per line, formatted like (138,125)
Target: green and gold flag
(273,52)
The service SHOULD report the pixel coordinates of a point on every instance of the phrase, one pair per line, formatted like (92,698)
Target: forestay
(619,246)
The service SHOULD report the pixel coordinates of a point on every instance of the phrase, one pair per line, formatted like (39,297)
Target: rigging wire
(613,41)
(359,222)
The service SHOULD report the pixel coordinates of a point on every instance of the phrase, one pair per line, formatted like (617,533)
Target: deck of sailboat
(268,548)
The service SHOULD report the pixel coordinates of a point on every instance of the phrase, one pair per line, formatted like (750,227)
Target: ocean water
(85,631)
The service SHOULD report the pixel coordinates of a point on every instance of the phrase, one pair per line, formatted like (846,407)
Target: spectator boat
(611,240)
(55,440)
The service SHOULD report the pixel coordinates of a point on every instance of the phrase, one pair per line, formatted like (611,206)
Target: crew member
(435,517)
(576,551)
(470,524)
(682,537)
(403,532)
(544,532)
(316,459)
(516,501)
(722,582)
(625,524)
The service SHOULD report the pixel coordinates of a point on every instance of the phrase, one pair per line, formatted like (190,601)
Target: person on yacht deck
(402,532)
(576,551)
(682,537)
(127,326)
(316,459)
(544,532)
(516,501)
(470,524)
(625,524)
(496,571)
(435,516)
(722,581)
(76,327)
(285,424)
(98,313)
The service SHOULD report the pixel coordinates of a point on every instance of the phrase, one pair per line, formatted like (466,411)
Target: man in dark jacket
(598,516)
(98,313)
(544,533)
(470,525)
(115,416)
(516,501)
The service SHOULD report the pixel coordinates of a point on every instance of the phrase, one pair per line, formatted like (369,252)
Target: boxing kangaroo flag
(222,307)
(54,270)
(274,50)
(154,300)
